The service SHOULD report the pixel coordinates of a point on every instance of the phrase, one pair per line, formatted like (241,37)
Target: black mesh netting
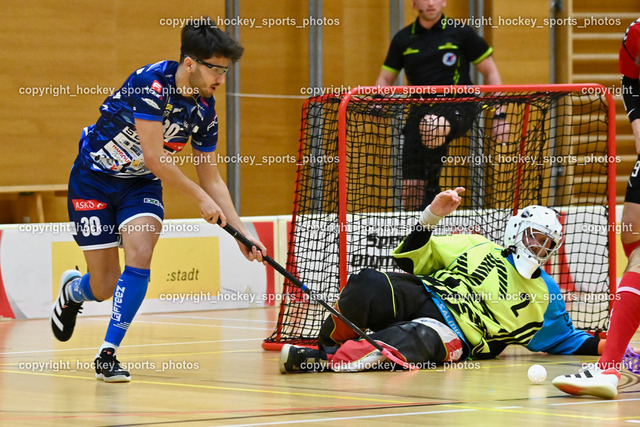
(554,154)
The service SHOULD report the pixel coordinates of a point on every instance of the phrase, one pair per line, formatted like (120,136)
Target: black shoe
(108,368)
(65,311)
(301,359)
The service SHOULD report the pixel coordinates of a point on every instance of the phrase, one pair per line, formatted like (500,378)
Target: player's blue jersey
(112,145)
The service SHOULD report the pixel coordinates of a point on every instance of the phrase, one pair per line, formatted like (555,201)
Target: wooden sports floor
(208,369)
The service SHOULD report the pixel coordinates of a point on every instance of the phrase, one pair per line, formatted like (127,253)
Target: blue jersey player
(115,185)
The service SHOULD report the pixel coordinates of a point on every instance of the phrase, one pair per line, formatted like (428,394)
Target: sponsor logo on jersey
(213,122)
(200,110)
(167,110)
(88,205)
(152,103)
(117,153)
(174,147)
(449,58)
(156,86)
(153,201)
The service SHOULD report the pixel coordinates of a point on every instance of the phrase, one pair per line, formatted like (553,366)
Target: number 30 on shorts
(90,226)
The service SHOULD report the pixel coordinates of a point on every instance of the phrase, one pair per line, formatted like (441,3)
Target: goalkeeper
(437,50)
(462,297)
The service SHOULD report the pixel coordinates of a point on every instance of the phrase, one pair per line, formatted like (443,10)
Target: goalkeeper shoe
(591,381)
(108,368)
(65,311)
(301,359)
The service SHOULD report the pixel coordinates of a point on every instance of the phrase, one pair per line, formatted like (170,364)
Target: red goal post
(562,138)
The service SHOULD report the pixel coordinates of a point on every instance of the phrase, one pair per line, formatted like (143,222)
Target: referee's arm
(386,77)
(489,70)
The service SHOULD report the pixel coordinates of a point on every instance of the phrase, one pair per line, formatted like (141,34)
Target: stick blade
(396,359)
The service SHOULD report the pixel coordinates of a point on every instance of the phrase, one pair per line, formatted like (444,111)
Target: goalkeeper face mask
(533,235)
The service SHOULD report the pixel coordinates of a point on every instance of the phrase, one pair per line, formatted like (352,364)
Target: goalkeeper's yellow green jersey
(493,305)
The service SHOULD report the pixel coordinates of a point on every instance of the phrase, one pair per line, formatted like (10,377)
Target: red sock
(625,319)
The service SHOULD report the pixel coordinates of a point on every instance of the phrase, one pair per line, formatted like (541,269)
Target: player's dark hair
(202,39)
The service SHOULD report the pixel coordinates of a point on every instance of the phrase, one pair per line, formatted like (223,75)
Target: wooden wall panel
(355,49)
(94,46)
(273,71)
(84,50)
(521,48)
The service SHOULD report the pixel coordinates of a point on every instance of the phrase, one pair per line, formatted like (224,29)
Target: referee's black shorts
(420,162)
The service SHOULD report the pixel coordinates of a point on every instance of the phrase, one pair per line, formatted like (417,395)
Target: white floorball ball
(537,374)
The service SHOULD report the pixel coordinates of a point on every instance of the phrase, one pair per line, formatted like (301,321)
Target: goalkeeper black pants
(384,303)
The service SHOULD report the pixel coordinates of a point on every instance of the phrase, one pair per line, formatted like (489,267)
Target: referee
(436,50)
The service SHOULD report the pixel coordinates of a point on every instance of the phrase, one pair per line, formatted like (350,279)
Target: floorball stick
(280,269)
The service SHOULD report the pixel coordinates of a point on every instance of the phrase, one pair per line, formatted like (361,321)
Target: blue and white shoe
(65,311)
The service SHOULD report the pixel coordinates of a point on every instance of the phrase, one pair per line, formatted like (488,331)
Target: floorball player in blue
(115,185)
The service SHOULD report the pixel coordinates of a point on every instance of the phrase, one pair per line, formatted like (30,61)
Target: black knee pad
(417,343)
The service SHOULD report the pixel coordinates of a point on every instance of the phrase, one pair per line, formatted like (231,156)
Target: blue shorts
(100,204)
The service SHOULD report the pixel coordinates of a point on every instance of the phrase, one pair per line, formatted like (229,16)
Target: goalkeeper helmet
(533,235)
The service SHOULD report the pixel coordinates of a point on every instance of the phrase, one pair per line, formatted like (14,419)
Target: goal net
(351,207)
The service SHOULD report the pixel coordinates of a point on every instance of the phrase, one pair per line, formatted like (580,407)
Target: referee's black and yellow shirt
(438,56)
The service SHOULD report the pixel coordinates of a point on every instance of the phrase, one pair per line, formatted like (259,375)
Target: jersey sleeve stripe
(483,56)
(203,148)
(392,70)
(147,117)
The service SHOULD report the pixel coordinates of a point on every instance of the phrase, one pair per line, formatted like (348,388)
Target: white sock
(107,345)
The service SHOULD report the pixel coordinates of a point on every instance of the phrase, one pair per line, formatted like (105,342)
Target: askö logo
(88,205)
